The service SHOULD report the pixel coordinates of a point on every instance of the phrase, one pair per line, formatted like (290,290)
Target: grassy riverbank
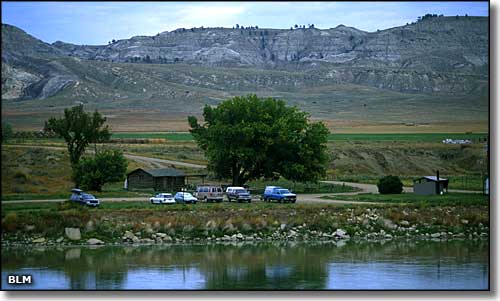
(259,221)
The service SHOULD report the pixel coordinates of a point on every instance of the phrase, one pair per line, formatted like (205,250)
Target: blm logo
(19,279)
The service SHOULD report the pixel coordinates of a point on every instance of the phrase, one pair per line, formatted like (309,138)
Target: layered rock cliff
(436,55)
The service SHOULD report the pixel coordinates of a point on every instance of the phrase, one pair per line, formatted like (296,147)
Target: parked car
(279,194)
(239,194)
(162,198)
(185,197)
(84,198)
(209,193)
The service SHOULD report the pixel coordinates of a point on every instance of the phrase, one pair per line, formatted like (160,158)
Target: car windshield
(166,195)
(186,194)
(283,191)
(241,191)
(87,196)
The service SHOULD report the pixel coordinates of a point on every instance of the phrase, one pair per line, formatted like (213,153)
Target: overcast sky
(98,22)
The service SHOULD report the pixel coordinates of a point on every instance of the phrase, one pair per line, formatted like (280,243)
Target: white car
(162,198)
(185,197)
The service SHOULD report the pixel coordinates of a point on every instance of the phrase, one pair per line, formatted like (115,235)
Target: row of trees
(243,138)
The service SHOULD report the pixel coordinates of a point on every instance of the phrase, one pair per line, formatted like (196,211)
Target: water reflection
(356,265)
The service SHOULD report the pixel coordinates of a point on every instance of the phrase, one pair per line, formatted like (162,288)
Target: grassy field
(37,173)
(448,199)
(415,137)
(461,182)
(258,186)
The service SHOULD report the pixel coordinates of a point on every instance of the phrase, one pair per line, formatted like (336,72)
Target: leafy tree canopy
(79,129)
(93,172)
(7,131)
(250,137)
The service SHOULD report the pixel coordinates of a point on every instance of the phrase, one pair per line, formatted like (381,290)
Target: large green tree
(105,167)
(249,137)
(79,129)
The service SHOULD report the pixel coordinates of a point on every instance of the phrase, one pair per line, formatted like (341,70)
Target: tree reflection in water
(278,265)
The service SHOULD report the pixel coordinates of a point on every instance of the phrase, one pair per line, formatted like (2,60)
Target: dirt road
(147,161)
(161,163)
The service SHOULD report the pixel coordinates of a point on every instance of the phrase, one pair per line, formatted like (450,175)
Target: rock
(167,238)
(89,226)
(404,223)
(73,233)
(60,239)
(387,223)
(161,235)
(211,225)
(293,233)
(246,227)
(187,228)
(341,234)
(147,241)
(464,221)
(283,227)
(135,239)
(239,236)
(228,227)
(94,241)
(388,236)
(436,235)
(128,235)
(39,240)
(29,227)
(149,229)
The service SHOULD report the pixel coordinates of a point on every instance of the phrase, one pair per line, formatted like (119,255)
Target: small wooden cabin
(164,179)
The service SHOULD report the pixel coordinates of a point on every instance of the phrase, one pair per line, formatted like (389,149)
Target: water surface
(452,265)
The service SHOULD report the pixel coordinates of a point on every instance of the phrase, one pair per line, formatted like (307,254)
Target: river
(461,265)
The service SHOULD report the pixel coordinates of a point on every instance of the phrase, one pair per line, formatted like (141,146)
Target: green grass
(146,135)
(258,186)
(420,137)
(460,182)
(103,194)
(135,205)
(449,199)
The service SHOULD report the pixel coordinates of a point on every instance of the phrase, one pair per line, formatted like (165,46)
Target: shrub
(10,222)
(21,177)
(68,205)
(390,185)
(105,167)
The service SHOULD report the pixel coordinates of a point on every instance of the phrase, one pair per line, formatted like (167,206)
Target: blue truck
(279,194)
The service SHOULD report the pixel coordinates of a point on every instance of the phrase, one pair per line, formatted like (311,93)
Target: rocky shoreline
(228,224)
(73,237)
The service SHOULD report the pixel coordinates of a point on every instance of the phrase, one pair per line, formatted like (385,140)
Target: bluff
(435,55)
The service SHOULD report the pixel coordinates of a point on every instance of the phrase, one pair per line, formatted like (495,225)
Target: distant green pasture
(417,137)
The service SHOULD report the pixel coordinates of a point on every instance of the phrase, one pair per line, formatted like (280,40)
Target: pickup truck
(279,194)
